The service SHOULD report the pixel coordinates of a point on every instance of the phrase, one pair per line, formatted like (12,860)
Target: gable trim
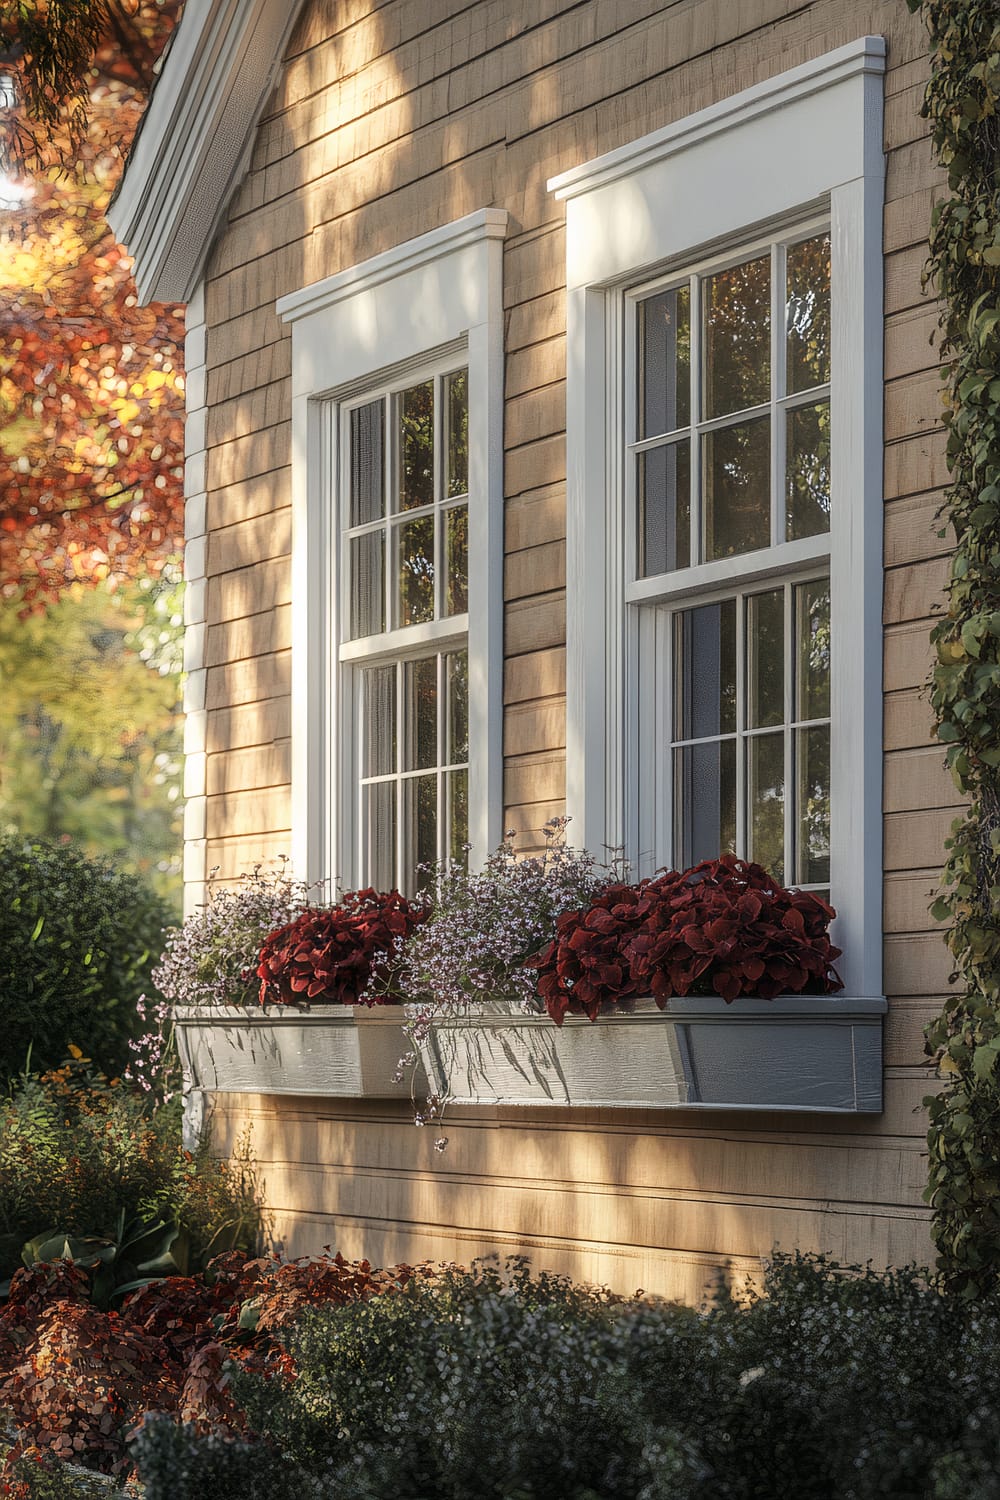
(191,151)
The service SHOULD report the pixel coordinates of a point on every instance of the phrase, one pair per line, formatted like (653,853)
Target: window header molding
(749,161)
(866,55)
(485,224)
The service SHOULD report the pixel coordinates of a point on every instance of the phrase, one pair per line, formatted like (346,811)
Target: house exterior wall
(387,122)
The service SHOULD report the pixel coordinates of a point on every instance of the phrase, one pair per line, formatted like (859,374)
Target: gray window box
(804,1053)
(343,1051)
(811,1053)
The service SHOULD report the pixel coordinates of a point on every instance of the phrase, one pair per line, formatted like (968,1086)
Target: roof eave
(198,128)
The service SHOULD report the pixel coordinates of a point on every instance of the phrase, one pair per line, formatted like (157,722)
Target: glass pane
(807,471)
(416,446)
(367,457)
(664,357)
(812,760)
(766,659)
(705,667)
(416,571)
(664,491)
(458,817)
(420,699)
(812,628)
(367,584)
(456,398)
(379,689)
(737,488)
(767,802)
(705,801)
(457,673)
(456,592)
(380,834)
(420,802)
(738,337)
(807,314)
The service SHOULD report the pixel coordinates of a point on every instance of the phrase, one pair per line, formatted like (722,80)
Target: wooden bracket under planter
(344,1051)
(811,1052)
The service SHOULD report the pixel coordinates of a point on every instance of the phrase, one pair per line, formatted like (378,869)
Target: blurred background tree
(91,450)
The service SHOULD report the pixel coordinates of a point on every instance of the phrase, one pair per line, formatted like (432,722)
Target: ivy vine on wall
(964,1136)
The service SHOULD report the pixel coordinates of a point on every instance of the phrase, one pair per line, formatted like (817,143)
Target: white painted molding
(195,608)
(441,291)
(809,139)
(190,153)
(415,254)
(866,55)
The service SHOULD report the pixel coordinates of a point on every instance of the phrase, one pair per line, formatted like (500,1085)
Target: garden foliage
(345,954)
(81,1157)
(724,928)
(961,103)
(77,943)
(485,1386)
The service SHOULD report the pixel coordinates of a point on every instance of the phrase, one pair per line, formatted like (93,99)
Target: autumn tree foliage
(91,384)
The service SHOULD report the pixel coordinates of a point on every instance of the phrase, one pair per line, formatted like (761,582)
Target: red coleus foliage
(332,954)
(76,1381)
(724,927)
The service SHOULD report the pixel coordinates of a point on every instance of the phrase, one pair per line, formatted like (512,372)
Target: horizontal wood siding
(391,119)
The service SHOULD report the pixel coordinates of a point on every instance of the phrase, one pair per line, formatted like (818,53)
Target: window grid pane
(750,750)
(405,551)
(414,749)
(753,342)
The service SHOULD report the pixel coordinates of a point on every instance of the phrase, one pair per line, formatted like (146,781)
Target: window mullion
(402,744)
(742,742)
(391,531)
(777,391)
(694,325)
(791,695)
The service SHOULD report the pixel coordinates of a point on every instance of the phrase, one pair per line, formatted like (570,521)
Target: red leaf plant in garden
(724,927)
(340,955)
(77,1381)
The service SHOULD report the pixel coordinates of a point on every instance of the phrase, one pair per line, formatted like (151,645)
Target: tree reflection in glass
(416,446)
(807,314)
(416,571)
(737,353)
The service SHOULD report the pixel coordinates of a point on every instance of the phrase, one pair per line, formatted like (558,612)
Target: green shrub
(78,1154)
(487,1387)
(78,940)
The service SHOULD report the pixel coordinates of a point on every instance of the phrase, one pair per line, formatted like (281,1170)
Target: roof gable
(191,151)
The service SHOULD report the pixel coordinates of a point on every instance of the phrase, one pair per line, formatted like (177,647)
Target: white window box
(806,1053)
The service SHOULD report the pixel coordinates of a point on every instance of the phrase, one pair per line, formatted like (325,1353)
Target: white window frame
(807,142)
(439,296)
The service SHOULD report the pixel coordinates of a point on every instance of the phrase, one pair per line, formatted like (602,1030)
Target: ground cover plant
(471,1385)
(325,1379)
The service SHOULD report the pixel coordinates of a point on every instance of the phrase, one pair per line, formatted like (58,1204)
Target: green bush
(78,1155)
(78,940)
(828,1387)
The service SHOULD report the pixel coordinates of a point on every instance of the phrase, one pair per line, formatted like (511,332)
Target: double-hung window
(405,598)
(724,470)
(728,446)
(397,558)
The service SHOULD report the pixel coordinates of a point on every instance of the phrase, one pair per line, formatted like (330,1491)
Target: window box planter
(342,1051)
(807,1053)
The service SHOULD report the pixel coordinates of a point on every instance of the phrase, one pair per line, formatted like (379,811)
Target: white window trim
(441,291)
(807,141)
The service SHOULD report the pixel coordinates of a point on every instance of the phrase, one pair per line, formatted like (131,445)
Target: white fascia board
(190,153)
